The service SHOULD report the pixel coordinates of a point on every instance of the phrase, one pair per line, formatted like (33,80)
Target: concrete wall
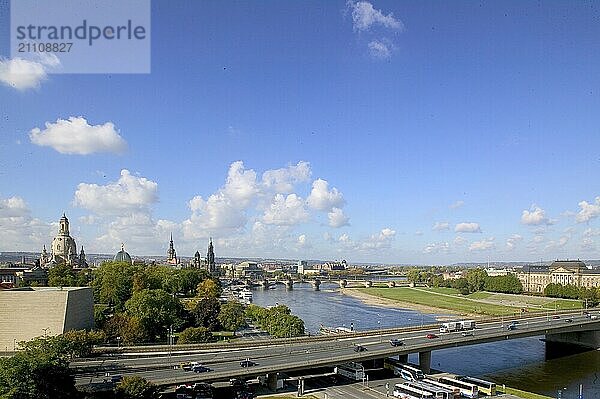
(587,339)
(32,312)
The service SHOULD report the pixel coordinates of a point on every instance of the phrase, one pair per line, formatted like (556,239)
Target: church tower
(171,254)
(82,260)
(210,258)
(64,249)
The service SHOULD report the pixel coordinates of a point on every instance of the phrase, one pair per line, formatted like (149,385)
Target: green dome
(122,256)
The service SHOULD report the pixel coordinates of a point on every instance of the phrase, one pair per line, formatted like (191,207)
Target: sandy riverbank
(442,314)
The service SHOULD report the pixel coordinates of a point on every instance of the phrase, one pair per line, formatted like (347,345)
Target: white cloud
(337,218)
(441,226)
(364,16)
(467,227)
(535,216)
(460,240)
(456,204)
(379,241)
(76,136)
(323,199)
(591,232)
(286,211)
(588,211)
(380,49)
(513,240)
(436,248)
(284,180)
(129,193)
(482,245)
(302,242)
(418,233)
(24,74)
(19,231)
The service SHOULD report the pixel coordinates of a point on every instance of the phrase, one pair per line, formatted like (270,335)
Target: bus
(438,392)
(466,388)
(352,370)
(407,392)
(487,387)
(406,371)
(455,390)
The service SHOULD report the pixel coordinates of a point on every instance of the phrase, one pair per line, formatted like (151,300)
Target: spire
(122,246)
(171,237)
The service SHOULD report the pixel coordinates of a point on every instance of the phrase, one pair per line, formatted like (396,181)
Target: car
(556,317)
(568,320)
(236,382)
(431,336)
(467,333)
(359,348)
(396,342)
(116,378)
(593,317)
(247,363)
(511,327)
(200,369)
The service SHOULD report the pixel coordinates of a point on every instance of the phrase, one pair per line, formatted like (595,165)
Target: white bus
(353,371)
(487,387)
(407,392)
(455,391)
(438,392)
(405,371)
(466,389)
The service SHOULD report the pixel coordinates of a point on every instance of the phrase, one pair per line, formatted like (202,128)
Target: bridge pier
(585,339)
(289,284)
(264,283)
(316,283)
(391,284)
(273,381)
(343,283)
(425,361)
(368,284)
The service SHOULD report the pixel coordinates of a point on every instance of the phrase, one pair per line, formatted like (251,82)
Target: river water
(518,363)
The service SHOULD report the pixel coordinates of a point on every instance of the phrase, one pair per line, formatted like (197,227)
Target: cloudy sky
(384,131)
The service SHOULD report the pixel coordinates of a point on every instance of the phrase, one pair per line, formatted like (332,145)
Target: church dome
(122,256)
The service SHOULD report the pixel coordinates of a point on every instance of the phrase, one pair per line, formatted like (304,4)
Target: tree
(195,335)
(134,387)
(231,316)
(205,313)
(157,311)
(113,283)
(126,329)
(209,288)
(476,279)
(39,371)
(61,275)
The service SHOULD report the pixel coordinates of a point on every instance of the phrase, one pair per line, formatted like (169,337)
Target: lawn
(443,290)
(563,304)
(434,300)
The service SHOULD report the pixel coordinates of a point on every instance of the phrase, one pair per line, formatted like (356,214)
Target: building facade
(535,278)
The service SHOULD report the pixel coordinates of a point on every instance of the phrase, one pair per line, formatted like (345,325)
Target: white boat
(245,295)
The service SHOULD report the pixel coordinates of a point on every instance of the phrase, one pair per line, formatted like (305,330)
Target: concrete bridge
(306,353)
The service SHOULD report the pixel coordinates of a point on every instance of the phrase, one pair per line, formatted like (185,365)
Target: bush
(195,335)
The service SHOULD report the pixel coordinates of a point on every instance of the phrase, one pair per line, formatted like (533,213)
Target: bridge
(273,356)
(315,281)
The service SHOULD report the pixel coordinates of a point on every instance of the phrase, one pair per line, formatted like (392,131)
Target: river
(517,363)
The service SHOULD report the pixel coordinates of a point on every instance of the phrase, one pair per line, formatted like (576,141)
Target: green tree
(195,335)
(134,387)
(61,275)
(209,288)
(125,329)
(476,279)
(231,316)
(157,311)
(205,313)
(113,283)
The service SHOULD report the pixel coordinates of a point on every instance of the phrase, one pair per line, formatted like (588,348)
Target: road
(225,363)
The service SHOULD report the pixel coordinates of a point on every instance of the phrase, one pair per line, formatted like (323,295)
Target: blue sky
(445,132)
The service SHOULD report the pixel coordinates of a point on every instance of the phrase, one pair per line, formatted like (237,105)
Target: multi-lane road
(163,368)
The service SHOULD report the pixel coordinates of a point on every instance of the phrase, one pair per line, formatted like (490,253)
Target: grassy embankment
(436,300)
(524,394)
(486,303)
